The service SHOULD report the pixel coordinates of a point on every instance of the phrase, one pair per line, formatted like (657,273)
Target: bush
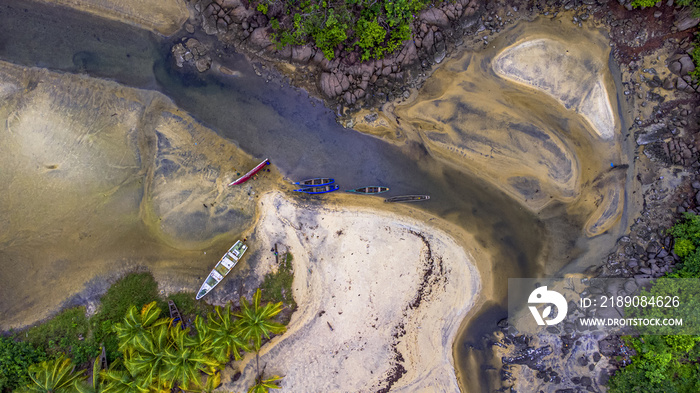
(136,289)
(15,359)
(669,363)
(277,287)
(371,36)
(374,27)
(67,332)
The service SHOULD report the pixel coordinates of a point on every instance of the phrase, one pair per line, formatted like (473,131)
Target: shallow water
(302,139)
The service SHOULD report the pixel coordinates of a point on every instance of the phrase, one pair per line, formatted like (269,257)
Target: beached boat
(369,190)
(318,190)
(250,174)
(175,314)
(408,198)
(319,181)
(222,268)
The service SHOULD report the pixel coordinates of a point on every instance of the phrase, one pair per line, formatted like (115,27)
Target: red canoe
(250,174)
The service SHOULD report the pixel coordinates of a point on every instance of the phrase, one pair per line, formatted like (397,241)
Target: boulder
(687,65)
(179,52)
(668,84)
(675,67)
(231,3)
(259,39)
(330,86)
(684,20)
(411,53)
(203,63)
(240,13)
(428,41)
(302,54)
(435,17)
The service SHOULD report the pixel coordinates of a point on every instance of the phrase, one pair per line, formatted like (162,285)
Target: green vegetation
(54,376)
(65,333)
(669,363)
(133,290)
(277,287)
(264,385)
(151,353)
(686,235)
(256,320)
(372,28)
(695,4)
(15,359)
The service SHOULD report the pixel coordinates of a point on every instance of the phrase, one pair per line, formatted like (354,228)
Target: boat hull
(222,268)
(408,198)
(317,182)
(250,174)
(372,190)
(318,190)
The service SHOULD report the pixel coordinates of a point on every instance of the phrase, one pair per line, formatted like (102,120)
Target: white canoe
(227,262)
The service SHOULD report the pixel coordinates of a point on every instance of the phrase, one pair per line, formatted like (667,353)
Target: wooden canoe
(226,263)
(250,174)
(319,181)
(408,198)
(318,190)
(369,190)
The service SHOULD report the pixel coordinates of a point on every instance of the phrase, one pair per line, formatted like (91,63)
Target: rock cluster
(345,79)
(191,51)
(681,65)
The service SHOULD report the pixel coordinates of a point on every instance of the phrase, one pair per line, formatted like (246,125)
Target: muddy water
(302,139)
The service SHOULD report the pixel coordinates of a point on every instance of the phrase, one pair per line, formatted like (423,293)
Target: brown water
(86,195)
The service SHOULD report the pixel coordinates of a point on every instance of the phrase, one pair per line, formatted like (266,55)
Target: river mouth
(302,139)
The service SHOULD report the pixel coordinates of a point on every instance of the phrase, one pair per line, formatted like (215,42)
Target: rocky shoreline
(440,32)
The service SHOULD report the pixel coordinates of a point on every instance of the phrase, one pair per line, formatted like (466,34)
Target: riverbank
(162,16)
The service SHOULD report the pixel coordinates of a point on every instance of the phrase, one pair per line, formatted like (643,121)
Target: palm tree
(54,376)
(184,363)
(225,333)
(255,320)
(264,385)
(116,379)
(133,332)
(149,362)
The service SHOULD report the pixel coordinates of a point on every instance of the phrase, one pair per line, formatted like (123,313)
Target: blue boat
(319,181)
(319,189)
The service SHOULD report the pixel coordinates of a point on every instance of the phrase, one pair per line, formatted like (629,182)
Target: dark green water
(294,131)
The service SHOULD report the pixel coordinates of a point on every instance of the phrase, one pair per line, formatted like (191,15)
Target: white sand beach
(381,298)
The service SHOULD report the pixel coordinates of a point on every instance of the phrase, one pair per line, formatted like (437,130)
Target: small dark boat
(175,314)
(408,198)
(319,181)
(318,190)
(250,174)
(370,190)
(103,358)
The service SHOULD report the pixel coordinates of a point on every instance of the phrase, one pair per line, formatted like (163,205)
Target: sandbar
(381,298)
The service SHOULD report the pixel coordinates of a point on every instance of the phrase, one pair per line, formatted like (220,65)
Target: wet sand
(531,113)
(381,297)
(101,179)
(162,16)
(543,131)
